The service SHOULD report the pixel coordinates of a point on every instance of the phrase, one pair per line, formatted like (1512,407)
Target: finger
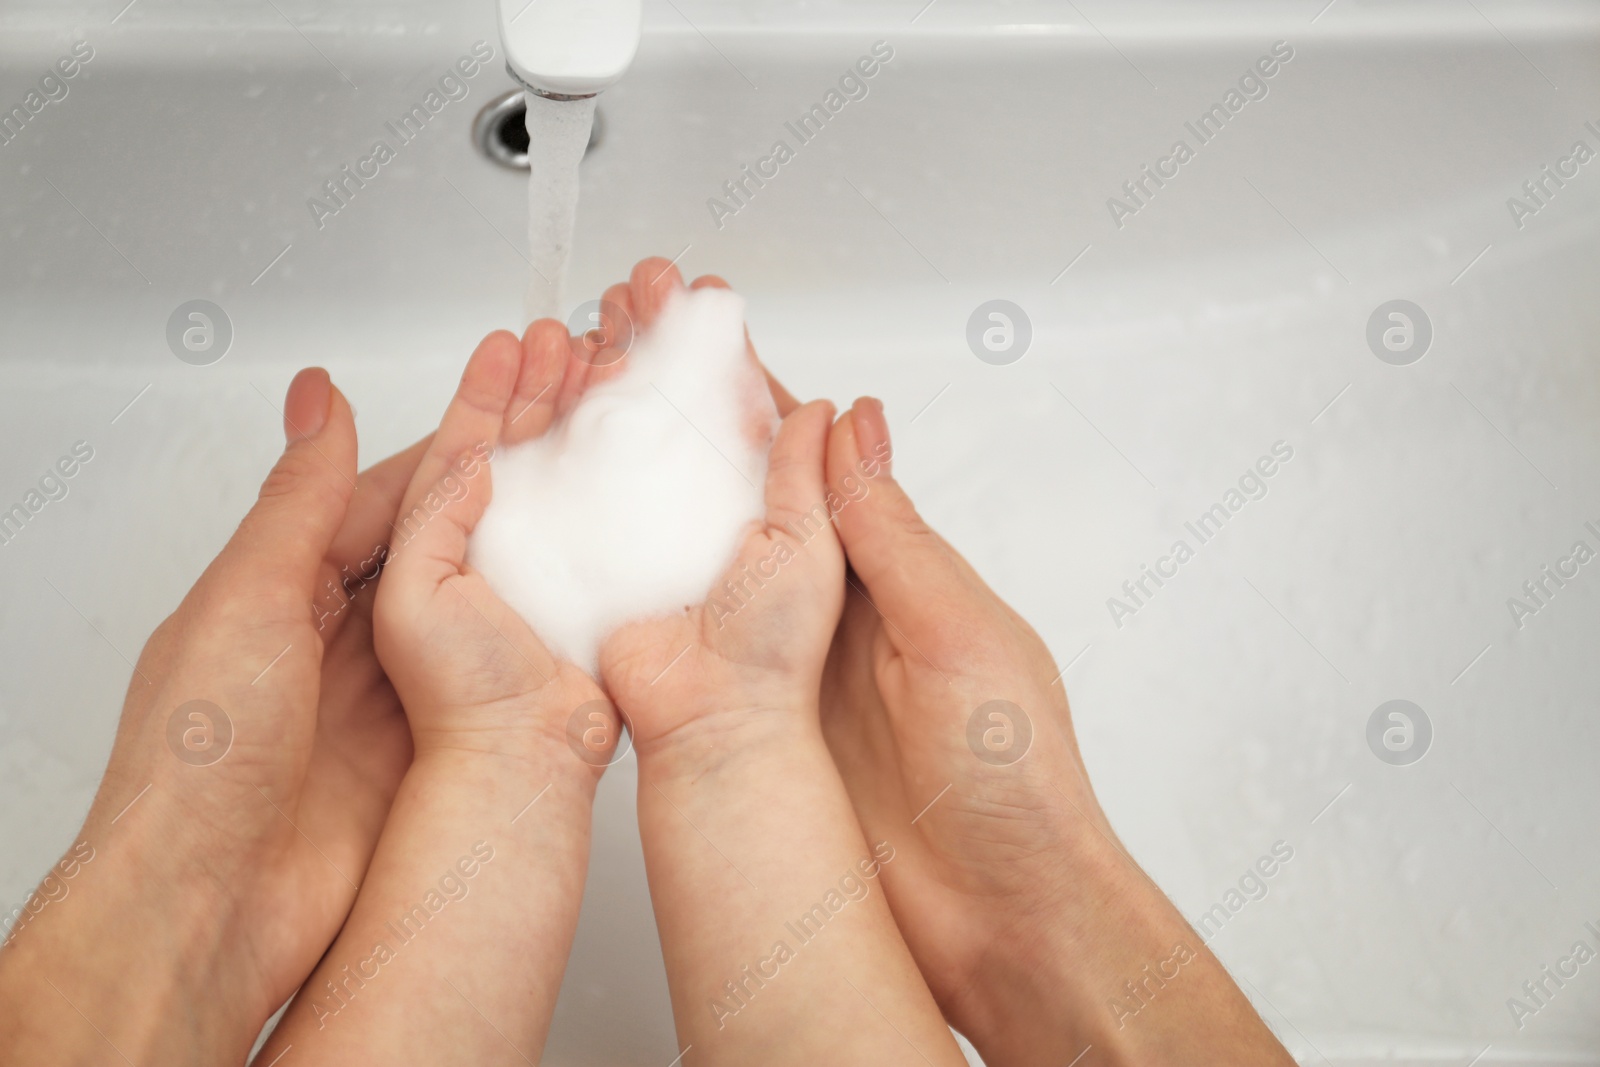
(451,487)
(361,546)
(545,355)
(379,490)
(781,397)
(619,329)
(589,348)
(795,468)
(902,562)
(784,399)
(652,282)
(279,546)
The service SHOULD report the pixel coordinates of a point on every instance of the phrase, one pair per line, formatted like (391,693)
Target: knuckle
(284,477)
(302,471)
(910,523)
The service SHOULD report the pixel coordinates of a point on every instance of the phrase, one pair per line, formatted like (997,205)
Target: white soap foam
(558,134)
(635,504)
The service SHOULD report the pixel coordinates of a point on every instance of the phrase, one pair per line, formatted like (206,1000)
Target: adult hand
(228,837)
(946,716)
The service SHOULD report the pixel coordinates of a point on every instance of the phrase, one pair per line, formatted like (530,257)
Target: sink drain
(500,131)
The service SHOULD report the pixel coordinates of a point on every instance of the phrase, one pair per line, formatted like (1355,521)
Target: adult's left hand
(259,749)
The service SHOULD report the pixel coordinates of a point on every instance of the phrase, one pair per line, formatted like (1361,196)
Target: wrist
(1109,962)
(531,737)
(463,769)
(129,954)
(741,732)
(1033,992)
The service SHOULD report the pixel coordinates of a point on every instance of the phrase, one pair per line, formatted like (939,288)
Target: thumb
(281,543)
(794,489)
(911,575)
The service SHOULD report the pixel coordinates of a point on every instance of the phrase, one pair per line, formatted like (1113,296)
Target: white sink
(1228,313)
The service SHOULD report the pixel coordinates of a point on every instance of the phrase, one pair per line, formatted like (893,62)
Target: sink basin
(1150,362)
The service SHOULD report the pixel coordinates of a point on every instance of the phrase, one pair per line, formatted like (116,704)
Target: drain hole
(501,132)
(512,133)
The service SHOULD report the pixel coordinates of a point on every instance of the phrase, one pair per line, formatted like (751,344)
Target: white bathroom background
(1343,349)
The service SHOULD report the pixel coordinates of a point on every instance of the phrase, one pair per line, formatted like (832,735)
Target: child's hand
(756,646)
(472,675)
(488,708)
(742,815)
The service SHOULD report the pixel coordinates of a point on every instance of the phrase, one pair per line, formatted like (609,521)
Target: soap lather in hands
(398,835)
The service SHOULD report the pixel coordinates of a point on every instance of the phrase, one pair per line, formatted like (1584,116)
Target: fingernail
(305,408)
(872,431)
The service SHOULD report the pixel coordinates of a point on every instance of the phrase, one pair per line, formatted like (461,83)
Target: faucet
(569,49)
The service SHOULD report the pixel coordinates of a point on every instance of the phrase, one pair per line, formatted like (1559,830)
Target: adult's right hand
(944,712)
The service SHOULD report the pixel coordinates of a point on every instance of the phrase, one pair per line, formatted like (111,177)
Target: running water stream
(558,134)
